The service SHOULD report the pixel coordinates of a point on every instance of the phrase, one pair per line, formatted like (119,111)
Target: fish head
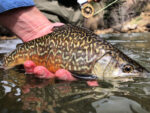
(117,66)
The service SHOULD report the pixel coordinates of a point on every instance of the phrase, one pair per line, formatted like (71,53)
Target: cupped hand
(42,72)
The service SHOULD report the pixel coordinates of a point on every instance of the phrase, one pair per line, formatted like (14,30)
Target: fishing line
(105,7)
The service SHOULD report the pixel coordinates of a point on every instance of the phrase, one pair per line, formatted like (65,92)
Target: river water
(21,93)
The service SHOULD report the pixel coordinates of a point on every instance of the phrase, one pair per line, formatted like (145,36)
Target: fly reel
(87,10)
(90,9)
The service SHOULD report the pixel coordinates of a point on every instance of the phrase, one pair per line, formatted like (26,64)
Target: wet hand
(42,72)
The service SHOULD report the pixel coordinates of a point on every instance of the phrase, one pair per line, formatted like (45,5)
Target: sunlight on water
(8,45)
(21,93)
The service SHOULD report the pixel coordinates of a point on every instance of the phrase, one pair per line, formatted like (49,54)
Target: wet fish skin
(78,50)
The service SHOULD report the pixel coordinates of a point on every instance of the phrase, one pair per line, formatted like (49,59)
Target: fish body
(78,50)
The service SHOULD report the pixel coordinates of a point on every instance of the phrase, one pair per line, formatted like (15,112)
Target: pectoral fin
(84,76)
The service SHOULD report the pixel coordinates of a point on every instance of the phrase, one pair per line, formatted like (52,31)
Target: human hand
(42,31)
(27,23)
(42,72)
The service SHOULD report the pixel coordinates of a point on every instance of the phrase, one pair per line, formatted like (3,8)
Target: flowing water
(21,93)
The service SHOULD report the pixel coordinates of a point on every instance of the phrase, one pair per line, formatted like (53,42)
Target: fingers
(92,83)
(29,67)
(39,71)
(63,74)
(42,72)
(57,24)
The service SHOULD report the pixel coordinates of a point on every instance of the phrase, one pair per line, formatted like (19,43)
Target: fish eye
(127,68)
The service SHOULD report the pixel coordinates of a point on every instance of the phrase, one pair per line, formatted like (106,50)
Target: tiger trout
(79,51)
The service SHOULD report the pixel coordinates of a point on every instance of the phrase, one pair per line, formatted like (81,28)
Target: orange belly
(50,63)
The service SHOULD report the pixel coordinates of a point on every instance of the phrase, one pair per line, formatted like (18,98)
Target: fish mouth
(132,77)
(125,77)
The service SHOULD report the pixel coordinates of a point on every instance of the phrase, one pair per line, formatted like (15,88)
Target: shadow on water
(21,93)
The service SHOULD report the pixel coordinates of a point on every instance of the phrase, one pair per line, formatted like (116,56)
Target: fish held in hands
(78,50)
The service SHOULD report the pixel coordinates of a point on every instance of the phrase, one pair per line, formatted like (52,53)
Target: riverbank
(112,24)
(137,24)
